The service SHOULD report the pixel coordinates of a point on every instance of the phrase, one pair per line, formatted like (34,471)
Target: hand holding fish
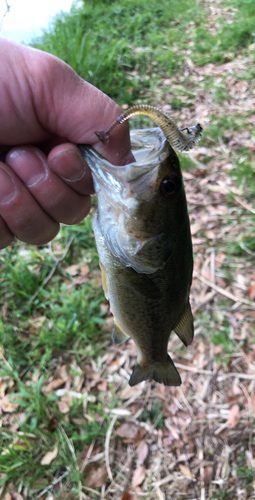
(46,109)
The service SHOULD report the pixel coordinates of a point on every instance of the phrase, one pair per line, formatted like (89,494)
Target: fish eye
(170,185)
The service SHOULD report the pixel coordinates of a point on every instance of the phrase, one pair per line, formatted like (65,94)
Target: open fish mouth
(135,180)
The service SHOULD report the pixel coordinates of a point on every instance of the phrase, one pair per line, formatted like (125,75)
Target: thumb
(72,108)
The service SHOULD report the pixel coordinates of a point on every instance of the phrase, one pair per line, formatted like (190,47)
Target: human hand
(46,109)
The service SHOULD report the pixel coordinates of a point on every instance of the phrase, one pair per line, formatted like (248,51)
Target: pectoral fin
(164,373)
(184,327)
(118,336)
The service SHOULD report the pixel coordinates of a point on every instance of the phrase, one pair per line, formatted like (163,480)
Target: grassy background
(136,51)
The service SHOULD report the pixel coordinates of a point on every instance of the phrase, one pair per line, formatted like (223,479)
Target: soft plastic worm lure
(177,140)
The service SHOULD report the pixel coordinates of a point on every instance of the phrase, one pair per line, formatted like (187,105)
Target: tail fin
(164,373)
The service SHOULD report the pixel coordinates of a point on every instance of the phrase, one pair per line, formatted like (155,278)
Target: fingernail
(69,166)
(28,165)
(8,188)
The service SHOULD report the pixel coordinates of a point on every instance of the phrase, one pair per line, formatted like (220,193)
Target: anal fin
(164,373)
(118,336)
(184,327)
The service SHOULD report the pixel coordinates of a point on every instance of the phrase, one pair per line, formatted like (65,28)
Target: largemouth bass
(144,244)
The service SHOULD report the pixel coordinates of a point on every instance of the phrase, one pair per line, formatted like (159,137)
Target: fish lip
(131,171)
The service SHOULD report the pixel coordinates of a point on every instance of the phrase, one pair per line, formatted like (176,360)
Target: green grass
(114,45)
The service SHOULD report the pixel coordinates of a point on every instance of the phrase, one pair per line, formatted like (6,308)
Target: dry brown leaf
(52,424)
(79,280)
(130,432)
(7,406)
(127,430)
(73,270)
(3,385)
(130,392)
(84,270)
(185,470)
(207,475)
(234,415)
(251,291)
(138,476)
(129,495)
(17,496)
(49,456)
(142,452)
(54,384)
(97,477)
(252,484)
(210,234)
(108,325)
(102,385)
(4,309)
(38,321)
(63,405)
(194,228)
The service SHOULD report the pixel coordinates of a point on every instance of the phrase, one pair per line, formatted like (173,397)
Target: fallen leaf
(84,270)
(130,392)
(234,415)
(138,476)
(207,475)
(97,477)
(4,309)
(63,405)
(252,484)
(73,270)
(7,406)
(79,280)
(185,470)
(50,455)
(194,228)
(54,384)
(102,385)
(17,496)
(127,430)
(251,291)
(3,385)
(129,495)
(53,424)
(142,452)
(130,432)
(184,456)
(38,321)
(108,324)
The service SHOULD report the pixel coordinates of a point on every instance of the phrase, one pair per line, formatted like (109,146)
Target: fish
(143,239)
